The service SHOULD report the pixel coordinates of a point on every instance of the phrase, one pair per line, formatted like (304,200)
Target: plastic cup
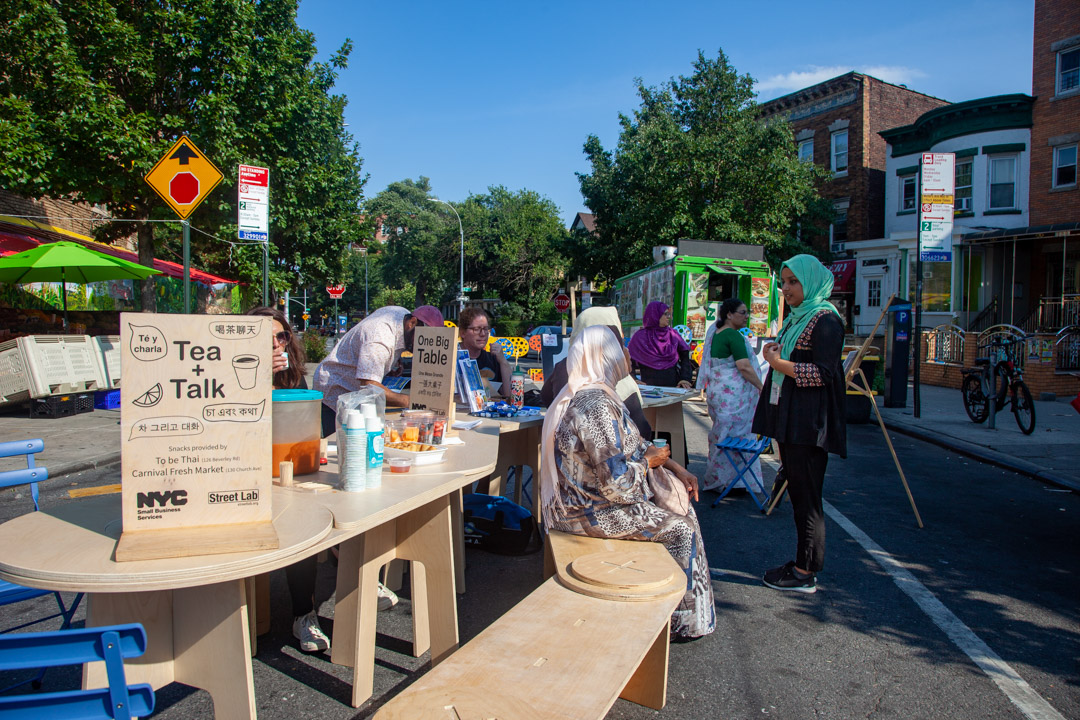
(411,431)
(400,464)
(660,442)
(395,430)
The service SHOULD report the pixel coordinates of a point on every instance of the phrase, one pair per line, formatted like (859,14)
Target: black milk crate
(59,406)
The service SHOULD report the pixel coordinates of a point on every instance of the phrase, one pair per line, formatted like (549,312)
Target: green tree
(421,250)
(694,161)
(94,92)
(514,242)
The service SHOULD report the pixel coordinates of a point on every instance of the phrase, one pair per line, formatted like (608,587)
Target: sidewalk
(1051,454)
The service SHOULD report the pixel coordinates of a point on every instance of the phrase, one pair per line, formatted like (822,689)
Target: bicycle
(1008,387)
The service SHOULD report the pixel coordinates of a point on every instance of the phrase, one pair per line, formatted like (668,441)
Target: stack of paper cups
(374,446)
(354,471)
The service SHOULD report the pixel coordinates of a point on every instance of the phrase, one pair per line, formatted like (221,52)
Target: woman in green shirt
(732,386)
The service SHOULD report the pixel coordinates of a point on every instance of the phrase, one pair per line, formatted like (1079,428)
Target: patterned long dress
(732,401)
(601,468)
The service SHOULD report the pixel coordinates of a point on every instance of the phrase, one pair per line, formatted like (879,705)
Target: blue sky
(478,94)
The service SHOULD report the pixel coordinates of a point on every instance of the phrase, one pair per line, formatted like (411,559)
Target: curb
(992,457)
(101,461)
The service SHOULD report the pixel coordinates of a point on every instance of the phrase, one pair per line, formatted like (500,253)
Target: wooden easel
(853,369)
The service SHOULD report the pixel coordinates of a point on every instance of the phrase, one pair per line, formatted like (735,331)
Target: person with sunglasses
(288,353)
(474,328)
(366,354)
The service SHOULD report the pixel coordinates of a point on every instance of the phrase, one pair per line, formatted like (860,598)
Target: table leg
(669,419)
(424,536)
(457,526)
(198,636)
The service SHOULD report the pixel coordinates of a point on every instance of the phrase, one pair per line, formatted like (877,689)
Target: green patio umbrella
(63,261)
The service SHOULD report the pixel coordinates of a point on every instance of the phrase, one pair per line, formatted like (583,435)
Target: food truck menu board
(195,423)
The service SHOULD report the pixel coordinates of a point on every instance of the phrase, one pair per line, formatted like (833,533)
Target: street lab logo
(233,497)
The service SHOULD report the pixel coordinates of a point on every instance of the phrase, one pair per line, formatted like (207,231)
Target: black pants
(301,580)
(805,466)
(329,421)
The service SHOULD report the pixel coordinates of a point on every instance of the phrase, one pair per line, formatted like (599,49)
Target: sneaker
(788,580)
(312,638)
(777,572)
(387,597)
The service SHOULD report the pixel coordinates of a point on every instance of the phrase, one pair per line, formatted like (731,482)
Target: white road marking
(1029,702)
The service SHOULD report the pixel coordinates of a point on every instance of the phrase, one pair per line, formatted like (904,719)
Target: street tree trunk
(148,290)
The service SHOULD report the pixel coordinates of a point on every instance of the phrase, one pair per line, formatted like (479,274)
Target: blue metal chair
(742,453)
(10,592)
(109,644)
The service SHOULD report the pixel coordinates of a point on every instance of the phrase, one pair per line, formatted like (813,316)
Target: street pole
(187,265)
(306,313)
(916,337)
(366,285)
(461,276)
(266,273)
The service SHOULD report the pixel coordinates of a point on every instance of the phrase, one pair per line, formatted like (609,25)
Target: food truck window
(722,286)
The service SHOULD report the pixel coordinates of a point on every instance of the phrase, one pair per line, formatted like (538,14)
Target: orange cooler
(297,425)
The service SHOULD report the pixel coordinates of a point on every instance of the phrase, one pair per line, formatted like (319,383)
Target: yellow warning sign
(937,199)
(183,177)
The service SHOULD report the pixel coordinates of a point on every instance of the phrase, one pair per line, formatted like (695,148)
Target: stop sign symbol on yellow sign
(183,177)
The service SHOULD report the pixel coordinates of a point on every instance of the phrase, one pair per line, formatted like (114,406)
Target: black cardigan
(811,410)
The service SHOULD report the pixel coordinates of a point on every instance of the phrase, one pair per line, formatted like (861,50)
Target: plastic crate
(49,365)
(60,406)
(108,357)
(107,399)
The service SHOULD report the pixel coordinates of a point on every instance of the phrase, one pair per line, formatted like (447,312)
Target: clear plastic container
(296,423)
(400,464)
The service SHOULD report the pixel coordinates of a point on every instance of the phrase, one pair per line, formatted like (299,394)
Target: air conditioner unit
(836,247)
(963,204)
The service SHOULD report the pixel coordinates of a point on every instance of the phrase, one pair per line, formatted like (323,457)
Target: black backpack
(498,525)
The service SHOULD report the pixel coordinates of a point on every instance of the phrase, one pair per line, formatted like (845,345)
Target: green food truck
(695,280)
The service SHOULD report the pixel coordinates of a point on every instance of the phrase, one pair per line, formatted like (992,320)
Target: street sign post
(183,177)
(562,302)
(336,291)
(933,236)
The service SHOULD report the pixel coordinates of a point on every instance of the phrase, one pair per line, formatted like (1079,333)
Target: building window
(873,292)
(806,150)
(907,193)
(838,228)
(1002,183)
(963,186)
(1068,74)
(839,152)
(1065,166)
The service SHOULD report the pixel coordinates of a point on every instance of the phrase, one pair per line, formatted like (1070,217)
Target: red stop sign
(336,291)
(184,188)
(562,303)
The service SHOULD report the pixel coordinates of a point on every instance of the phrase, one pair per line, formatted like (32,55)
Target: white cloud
(799,79)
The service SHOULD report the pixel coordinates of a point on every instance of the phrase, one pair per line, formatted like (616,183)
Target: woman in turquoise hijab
(802,408)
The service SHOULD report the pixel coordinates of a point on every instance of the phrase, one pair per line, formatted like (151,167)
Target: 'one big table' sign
(195,422)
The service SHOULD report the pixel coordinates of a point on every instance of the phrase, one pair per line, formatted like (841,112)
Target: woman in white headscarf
(594,467)
(627,388)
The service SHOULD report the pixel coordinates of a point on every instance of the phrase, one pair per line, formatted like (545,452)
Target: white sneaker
(306,629)
(387,597)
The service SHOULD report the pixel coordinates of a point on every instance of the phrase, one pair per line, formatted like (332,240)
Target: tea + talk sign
(195,434)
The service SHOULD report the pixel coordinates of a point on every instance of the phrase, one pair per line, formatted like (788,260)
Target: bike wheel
(976,403)
(1023,408)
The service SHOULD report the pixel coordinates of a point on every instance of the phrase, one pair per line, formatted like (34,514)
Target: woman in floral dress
(732,387)
(594,470)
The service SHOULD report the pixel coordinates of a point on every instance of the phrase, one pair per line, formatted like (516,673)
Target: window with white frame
(1065,166)
(1068,72)
(963,185)
(806,150)
(838,228)
(1003,182)
(907,193)
(839,152)
(873,292)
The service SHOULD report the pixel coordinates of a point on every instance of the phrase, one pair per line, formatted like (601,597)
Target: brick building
(836,124)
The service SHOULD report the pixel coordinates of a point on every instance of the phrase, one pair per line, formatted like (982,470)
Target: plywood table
(519,447)
(195,609)
(665,414)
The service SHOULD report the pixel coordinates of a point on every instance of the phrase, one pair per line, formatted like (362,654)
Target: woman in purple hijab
(659,355)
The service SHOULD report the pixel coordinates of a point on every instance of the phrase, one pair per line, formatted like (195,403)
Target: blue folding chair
(109,644)
(742,453)
(10,592)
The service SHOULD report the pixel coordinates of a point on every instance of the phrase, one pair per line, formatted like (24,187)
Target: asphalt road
(988,627)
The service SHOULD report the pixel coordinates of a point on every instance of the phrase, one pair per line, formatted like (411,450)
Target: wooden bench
(594,631)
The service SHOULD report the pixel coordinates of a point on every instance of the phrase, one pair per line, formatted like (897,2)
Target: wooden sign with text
(433,368)
(195,420)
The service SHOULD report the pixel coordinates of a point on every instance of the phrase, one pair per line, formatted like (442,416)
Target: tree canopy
(694,161)
(93,93)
